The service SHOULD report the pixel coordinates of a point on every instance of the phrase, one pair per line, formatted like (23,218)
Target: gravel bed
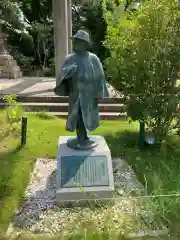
(39,214)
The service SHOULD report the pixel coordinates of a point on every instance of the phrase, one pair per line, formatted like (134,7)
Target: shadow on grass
(156,163)
(14,176)
(120,141)
(7,170)
(158,168)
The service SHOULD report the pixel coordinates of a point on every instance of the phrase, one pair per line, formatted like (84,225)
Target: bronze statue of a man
(82,76)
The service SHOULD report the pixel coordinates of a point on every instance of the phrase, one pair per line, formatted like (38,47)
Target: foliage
(25,62)
(91,18)
(31,40)
(143,62)
(11,15)
(43,43)
(45,115)
(14,110)
(14,114)
(29,26)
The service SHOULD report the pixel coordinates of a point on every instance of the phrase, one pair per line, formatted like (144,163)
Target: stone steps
(63,107)
(109,108)
(62,99)
(10,72)
(13,75)
(107,111)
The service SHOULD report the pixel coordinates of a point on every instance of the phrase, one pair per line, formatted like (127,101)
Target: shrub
(45,115)
(143,62)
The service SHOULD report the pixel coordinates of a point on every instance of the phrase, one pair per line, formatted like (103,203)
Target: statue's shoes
(86,144)
(87,138)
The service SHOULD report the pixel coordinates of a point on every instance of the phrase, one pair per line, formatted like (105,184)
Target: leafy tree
(143,62)
(30,30)
(33,47)
(10,14)
(91,18)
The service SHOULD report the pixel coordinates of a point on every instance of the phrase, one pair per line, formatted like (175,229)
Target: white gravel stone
(39,214)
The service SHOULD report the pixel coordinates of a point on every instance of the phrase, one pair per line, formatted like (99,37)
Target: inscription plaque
(84,171)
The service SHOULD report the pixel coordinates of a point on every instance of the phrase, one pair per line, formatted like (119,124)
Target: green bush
(45,115)
(143,62)
(24,62)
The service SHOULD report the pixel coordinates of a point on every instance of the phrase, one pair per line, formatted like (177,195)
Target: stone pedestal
(8,66)
(84,176)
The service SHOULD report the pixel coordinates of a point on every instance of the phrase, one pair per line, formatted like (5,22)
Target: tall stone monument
(8,66)
(84,165)
(62,18)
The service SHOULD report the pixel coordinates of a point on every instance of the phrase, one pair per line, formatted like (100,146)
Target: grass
(157,168)
(82,236)
(17,163)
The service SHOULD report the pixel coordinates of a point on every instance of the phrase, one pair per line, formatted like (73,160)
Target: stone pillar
(2,41)
(60,19)
(2,44)
(69,9)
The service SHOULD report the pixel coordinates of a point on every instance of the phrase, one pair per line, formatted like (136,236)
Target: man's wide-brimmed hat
(83,35)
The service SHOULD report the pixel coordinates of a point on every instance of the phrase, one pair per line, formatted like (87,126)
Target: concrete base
(84,175)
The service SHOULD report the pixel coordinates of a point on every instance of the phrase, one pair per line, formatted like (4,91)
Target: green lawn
(16,164)
(158,169)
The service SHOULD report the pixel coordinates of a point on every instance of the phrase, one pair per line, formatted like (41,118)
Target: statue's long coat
(84,87)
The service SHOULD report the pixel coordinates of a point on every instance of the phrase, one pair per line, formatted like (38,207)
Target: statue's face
(79,45)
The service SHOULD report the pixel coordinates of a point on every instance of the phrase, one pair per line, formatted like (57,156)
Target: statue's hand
(69,71)
(72,70)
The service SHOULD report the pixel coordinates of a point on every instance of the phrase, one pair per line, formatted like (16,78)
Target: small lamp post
(145,138)
(141,135)
(23,131)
